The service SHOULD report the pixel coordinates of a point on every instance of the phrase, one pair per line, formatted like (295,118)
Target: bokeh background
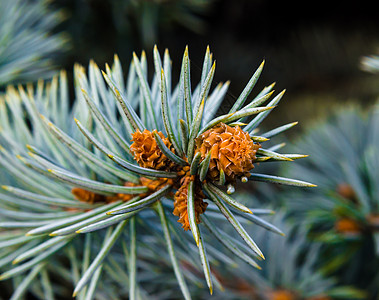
(311,49)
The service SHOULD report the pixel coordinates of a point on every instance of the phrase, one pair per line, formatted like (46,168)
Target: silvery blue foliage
(27,45)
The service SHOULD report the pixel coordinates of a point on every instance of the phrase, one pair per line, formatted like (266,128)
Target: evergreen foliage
(53,155)
(27,44)
(343,212)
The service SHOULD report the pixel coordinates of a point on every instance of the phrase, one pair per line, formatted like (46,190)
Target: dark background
(313,49)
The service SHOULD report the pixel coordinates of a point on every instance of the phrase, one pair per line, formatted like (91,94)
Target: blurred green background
(311,49)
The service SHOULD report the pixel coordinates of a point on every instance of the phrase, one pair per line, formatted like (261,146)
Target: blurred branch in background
(27,46)
(151,18)
(102,28)
(370,63)
(343,212)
